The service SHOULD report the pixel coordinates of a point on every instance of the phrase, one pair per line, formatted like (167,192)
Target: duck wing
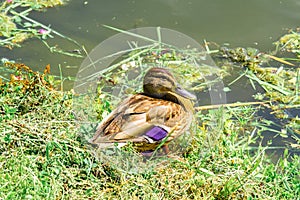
(140,119)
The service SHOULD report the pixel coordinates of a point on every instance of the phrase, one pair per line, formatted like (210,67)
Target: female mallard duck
(162,113)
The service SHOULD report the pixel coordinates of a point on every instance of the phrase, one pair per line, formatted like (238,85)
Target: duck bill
(184,93)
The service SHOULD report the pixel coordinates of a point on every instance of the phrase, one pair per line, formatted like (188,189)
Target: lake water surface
(255,23)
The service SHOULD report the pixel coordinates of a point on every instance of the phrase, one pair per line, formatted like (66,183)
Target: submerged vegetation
(16,26)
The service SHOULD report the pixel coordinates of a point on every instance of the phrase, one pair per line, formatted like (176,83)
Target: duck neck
(185,102)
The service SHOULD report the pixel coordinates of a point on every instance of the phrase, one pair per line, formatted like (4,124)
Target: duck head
(160,83)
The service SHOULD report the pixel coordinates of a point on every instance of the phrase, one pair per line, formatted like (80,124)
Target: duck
(151,119)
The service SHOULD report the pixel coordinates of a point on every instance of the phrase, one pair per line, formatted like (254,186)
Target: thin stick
(231,105)
(279,60)
(130,33)
(235,80)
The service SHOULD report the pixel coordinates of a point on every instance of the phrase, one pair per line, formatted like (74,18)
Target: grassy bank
(42,155)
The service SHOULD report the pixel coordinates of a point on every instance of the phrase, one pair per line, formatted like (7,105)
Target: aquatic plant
(16,26)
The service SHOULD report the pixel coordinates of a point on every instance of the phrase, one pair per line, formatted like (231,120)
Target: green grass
(42,156)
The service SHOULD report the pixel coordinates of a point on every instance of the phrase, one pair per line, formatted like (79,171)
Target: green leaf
(27,24)
(226,89)
(17,19)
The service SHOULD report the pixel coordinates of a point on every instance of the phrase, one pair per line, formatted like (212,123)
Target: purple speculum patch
(156,133)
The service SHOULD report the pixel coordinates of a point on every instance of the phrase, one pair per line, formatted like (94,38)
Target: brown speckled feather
(135,115)
(139,113)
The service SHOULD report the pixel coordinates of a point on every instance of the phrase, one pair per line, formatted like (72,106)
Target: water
(255,23)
